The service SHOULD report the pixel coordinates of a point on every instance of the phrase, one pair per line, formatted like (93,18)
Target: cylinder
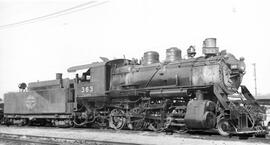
(59,76)
(209,42)
(173,54)
(150,57)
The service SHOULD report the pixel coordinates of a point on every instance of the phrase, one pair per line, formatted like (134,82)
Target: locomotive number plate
(87,89)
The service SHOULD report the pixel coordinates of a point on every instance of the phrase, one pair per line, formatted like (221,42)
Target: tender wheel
(224,127)
(117,119)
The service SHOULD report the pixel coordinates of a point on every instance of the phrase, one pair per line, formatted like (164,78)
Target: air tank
(150,57)
(173,54)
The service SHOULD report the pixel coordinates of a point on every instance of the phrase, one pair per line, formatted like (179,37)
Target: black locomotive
(196,93)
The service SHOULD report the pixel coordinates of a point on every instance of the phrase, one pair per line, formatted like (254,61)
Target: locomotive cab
(96,80)
(92,82)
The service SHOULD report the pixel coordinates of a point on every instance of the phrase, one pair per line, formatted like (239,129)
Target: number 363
(86,89)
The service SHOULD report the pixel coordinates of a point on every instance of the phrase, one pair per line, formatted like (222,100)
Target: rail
(55,140)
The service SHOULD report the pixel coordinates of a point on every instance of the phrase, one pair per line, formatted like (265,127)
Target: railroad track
(45,137)
(40,140)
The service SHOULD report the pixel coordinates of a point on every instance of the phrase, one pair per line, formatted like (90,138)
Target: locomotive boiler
(221,69)
(178,94)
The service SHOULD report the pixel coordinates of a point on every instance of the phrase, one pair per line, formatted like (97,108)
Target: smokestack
(209,47)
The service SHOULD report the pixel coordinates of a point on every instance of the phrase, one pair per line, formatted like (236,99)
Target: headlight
(234,66)
(242,66)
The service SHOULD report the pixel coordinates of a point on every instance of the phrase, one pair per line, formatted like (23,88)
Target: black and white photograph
(134,72)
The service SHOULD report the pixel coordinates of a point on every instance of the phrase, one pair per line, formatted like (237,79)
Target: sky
(116,28)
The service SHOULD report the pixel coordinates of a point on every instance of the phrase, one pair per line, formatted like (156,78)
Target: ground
(138,137)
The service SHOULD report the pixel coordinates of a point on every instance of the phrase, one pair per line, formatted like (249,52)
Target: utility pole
(255,79)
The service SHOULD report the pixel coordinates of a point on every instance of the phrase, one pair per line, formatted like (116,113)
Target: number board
(85,90)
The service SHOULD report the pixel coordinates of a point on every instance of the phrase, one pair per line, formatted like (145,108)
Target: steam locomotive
(195,93)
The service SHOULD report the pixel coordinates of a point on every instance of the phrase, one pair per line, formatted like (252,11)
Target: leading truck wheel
(223,127)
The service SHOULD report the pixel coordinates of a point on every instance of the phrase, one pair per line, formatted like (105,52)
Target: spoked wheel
(23,122)
(137,121)
(224,127)
(137,124)
(156,125)
(100,122)
(117,119)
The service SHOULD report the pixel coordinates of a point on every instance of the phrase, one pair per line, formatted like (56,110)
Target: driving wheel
(117,119)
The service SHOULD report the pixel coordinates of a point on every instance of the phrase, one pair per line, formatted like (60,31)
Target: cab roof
(95,64)
(85,66)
